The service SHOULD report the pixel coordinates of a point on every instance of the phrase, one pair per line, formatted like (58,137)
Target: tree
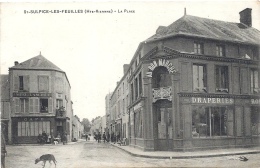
(86,124)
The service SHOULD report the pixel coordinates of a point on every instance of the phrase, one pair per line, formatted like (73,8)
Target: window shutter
(26,82)
(50,105)
(31,105)
(36,105)
(17,105)
(26,106)
(16,83)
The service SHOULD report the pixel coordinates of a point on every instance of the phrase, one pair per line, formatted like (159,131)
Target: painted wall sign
(19,94)
(255,101)
(202,100)
(160,62)
(33,119)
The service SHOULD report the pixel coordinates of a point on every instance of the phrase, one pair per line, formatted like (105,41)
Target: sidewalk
(185,155)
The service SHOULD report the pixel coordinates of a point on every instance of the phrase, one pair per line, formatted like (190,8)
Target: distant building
(5,106)
(77,128)
(193,85)
(40,100)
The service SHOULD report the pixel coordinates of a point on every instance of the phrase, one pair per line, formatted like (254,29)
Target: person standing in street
(104,137)
(99,137)
(86,137)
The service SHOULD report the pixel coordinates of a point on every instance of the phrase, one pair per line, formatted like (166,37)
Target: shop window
(33,128)
(43,105)
(255,121)
(212,122)
(199,78)
(24,105)
(222,79)
(254,81)
(220,50)
(198,48)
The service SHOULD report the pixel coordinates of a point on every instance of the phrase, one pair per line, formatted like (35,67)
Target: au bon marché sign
(160,62)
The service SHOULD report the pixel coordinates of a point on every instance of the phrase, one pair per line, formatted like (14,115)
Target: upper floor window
(222,79)
(198,48)
(136,88)
(43,105)
(254,81)
(220,50)
(140,84)
(21,83)
(199,78)
(43,82)
(24,105)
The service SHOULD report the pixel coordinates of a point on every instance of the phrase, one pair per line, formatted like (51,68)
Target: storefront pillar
(148,129)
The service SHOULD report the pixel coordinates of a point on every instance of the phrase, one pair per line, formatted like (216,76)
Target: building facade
(195,85)
(5,106)
(40,100)
(119,102)
(77,128)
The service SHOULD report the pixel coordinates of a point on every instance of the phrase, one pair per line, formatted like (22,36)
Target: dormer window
(198,48)
(220,50)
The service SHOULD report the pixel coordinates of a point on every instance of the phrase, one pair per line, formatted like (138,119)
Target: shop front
(219,121)
(25,130)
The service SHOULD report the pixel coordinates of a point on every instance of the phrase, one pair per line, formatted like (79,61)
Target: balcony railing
(162,93)
(61,113)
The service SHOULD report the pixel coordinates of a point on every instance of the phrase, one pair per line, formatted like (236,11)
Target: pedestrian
(112,137)
(44,137)
(104,137)
(99,137)
(108,137)
(86,137)
(3,150)
(64,138)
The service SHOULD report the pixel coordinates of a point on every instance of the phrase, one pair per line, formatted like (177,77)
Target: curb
(188,156)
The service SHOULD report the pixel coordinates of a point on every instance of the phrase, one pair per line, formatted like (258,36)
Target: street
(93,154)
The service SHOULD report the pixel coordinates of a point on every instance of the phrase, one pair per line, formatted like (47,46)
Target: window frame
(222,78)
(46,108)
(220,50)
(254,80)
(204,77)
(198,47)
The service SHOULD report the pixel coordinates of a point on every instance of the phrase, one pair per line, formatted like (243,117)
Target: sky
(92,47)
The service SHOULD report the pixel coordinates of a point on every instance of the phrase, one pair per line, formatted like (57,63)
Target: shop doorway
(163,129)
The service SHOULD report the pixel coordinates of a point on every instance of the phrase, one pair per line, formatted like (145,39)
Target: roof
(4,82)
(208,28)
(37,63)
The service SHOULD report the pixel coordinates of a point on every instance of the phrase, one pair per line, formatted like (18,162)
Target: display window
(210,122)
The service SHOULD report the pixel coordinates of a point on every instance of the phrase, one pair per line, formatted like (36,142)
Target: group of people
(48,138)
(106,137)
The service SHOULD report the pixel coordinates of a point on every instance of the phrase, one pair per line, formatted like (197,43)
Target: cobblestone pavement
(92,154)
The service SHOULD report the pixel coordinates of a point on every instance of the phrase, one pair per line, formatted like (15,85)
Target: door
(164,129)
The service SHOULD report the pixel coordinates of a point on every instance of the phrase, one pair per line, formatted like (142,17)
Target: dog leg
(44,163)
(54,163)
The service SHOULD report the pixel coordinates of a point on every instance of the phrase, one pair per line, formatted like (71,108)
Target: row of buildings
(35,97)
(193,85)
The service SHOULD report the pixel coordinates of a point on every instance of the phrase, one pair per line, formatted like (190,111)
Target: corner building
(195,85)
(40,100)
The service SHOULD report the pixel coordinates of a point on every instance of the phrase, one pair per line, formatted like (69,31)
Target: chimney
(126,67)
(16,63)
(245,17)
